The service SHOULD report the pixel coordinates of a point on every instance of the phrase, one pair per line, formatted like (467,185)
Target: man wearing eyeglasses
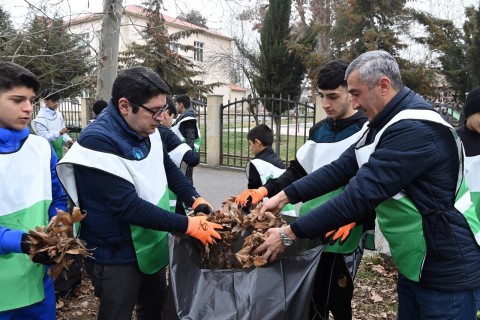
(120,173)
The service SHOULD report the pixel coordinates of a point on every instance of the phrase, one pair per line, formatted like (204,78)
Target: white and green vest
(267,171)
(176,155)
(314,155)
(176,129)
(150,180)
(472,175)
(26,184)
(399,219)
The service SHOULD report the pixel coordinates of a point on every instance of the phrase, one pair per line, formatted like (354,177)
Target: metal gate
(290,121)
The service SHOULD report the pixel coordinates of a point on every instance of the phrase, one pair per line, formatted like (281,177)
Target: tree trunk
(109,46)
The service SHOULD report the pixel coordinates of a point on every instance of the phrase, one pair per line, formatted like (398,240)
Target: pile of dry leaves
(58,241)
(242,233)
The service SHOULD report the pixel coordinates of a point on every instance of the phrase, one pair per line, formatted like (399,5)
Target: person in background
(327,140)
(31,193)
(406,167)
(178,151)
(186,128)
(469,132)
(119,172)
(98,107)
(49,122)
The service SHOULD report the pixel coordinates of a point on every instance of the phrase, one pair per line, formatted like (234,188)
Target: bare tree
(109,47)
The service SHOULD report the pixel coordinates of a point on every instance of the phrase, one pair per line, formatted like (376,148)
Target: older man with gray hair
(409,168)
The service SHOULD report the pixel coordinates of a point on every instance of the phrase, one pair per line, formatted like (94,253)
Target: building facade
(212,54)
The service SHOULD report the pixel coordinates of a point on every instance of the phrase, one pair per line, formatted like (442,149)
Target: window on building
(84,38)
(198,53)
(174,46)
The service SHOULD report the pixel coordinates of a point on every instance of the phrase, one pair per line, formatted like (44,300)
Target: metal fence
(71,111)
(289,120)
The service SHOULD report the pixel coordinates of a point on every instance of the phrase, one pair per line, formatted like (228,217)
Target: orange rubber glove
(203,230)
(200,205)
(341,233)
(256,195)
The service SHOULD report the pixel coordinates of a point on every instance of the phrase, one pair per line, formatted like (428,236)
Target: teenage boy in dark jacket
(408,168)
(327,140)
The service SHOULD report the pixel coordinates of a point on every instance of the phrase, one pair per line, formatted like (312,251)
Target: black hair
(263,133)
(183,99)
(171,107)
(98,106)
(51,94)
(332,75)
(14,75)
(138,85)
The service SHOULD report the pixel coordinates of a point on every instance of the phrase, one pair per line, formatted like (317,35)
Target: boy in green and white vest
(31,193)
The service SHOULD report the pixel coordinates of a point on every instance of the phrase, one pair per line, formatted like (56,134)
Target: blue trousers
(43,310)
(420,303)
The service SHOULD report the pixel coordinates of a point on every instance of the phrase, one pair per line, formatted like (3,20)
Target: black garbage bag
(279,290)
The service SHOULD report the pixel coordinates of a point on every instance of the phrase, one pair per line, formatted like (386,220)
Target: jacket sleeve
(59,197)
(122,198)
(191,158)
(254,180)
(178,182)
(10,240)
(389,169)
(294,172)
(189,131)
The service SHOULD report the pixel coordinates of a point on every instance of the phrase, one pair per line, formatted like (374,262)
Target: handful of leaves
(58,241)
(230,251)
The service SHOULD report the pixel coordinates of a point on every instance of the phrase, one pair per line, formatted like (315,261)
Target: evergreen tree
(159,53)
(447,42)
(54,55)
(7,35)
(194,17)
(471,30)
(280,71)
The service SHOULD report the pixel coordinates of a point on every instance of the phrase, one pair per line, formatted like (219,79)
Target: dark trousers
(121,288)
(333,289)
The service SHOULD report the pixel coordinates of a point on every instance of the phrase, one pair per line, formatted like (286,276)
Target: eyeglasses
(155,113)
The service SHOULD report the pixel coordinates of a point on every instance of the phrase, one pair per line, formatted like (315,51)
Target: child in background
(266,164)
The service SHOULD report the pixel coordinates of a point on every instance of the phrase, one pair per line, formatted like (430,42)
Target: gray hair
(373,65)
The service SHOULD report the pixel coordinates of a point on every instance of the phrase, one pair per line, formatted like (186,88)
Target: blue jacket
(417,157)
(12,141)
(112,203)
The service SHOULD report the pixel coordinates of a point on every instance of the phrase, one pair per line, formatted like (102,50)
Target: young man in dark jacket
(119,172)
(177,150)
(408,168)
(328,139)
(186,128)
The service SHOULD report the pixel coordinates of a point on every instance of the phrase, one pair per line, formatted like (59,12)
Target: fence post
(319,112)
(86,112)
(214,112)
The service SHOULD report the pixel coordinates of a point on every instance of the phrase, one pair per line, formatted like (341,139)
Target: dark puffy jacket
(112,203)
(268,155)
(418,157)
